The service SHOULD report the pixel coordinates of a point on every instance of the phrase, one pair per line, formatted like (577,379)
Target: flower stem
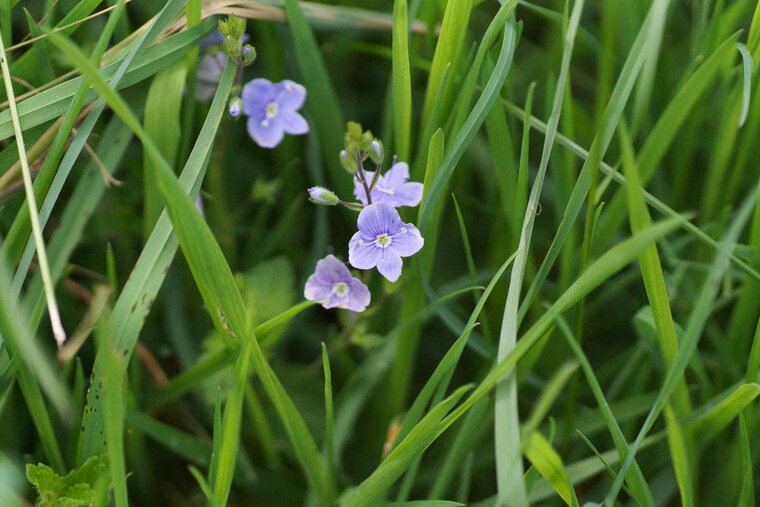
(360,165)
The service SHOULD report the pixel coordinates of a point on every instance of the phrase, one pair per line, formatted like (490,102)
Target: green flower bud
(376,151)
(348,162)
(321,195)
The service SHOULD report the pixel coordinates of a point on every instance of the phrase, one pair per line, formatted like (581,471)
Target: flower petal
(267,134)
(291,95)
(378,218)
(409,194)
(363,254)
(331,270)
(293,123)
(396,175)
(390,265)
(407,243)
(358,295)
(316,290)
(256,95)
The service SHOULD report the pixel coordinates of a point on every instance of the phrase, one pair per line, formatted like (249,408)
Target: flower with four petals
(382,240)
(272,110)
(333,286)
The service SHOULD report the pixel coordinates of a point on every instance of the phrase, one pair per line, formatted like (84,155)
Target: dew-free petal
(396,175)
(266,133)
(358,296)
(409,194)
(362,254)
(256,95)
(293,123)
(378,218)
(316,289)
(291,95)
(390,265)
(407,241)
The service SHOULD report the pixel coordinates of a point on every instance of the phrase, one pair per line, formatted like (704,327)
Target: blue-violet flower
(333,286)
(382,240)
(271,109)
(392,188)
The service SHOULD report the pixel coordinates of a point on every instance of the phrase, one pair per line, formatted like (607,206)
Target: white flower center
(383,241)
(340,288)
(272,109)
(386,190)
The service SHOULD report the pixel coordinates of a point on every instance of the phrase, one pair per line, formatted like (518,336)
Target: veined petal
(390,265)
(363,254)
(407,241)
(396,175)
(316,289)
(293,123)
(358,295)
(256,95)
(409,194)
(291,95)
(378,219)
(331,270)
(266,133)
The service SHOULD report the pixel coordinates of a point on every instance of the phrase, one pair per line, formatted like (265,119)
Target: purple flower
(208,75)
(333,286)
(382,240)
(211,65)
(271,109)
(393,188)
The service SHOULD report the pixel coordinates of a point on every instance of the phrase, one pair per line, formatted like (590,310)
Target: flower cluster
(271,108)
(382,238)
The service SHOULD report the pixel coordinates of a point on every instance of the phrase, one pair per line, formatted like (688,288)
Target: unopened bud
(236,107)
(321,195)
(249,54)
(348,162)
(376,151)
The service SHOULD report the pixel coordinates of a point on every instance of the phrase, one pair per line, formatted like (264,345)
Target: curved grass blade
(472,124)
(697,321)
(511,486)
(612,115)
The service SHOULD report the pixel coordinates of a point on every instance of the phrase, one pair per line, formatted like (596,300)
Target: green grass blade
(401,81)
(549,464)
(636,483)
(693,332)
(323,101)
(451,39)
(471,125)
(511,486)
(612,115)
(406,452)
(746,494)
(329,410)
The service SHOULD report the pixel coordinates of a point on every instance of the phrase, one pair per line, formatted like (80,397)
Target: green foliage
(75,489)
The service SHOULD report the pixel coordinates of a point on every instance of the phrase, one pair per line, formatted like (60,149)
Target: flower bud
(248,53)
(376,151)
(366,141)
(321,195)
(348,162)
(236,107)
